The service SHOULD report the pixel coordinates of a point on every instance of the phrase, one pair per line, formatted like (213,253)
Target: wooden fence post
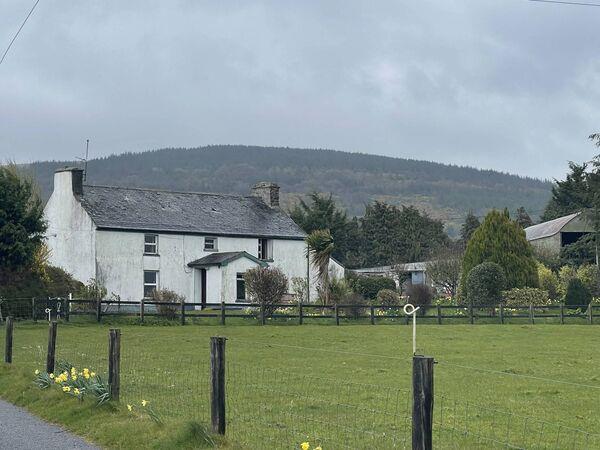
(222,312)
(300,312)
(114,363)
(372,315)
(33,313)
(471,320)
(263,319)
(590,314)
(8,343)
(531,320)
(562,313)
(142,311)
(182,313)
(439,314)
(422,410)
(98,310)
(50,355)
(501,313)
(217,384)
(337,315)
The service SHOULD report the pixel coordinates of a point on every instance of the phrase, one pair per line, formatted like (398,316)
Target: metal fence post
(422,411)
(114,363)
(50,355)
(217,384)
(8,343)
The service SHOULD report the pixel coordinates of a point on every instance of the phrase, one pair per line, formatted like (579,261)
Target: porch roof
(224,258)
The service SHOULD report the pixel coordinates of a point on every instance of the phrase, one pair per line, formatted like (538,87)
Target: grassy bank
(108,425)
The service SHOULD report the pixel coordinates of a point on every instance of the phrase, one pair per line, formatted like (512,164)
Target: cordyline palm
(320,248)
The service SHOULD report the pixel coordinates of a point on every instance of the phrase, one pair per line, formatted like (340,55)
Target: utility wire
(566,3)
(18,31)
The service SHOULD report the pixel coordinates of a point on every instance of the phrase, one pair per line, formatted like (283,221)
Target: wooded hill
(445,192)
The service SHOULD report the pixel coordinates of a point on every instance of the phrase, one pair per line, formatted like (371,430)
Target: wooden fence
(65,308)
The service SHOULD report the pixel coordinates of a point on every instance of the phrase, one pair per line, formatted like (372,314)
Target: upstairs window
(151,244)
(150,282)
(210,244)
(265,249)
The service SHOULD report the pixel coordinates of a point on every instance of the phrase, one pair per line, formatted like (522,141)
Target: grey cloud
(511,85)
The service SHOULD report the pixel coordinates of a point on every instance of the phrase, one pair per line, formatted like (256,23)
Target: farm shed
(551,236)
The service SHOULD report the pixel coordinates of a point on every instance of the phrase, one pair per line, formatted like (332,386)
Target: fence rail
(65,308)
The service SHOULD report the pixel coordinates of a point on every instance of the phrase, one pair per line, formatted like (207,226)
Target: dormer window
(210,244)
(151,244)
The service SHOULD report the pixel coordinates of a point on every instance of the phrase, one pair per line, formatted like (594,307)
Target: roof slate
(547,229)
(186,212)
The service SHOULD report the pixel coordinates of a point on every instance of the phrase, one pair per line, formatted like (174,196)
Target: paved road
(19,430)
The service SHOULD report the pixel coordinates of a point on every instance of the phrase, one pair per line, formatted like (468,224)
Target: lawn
(349,386)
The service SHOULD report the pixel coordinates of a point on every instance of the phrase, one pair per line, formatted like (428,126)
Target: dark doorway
(570,237)
(203,288)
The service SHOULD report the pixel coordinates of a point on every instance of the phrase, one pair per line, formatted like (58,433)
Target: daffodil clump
(306,446)
(74,382)
(144,409)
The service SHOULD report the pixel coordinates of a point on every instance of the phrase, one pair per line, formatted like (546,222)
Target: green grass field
(349,386)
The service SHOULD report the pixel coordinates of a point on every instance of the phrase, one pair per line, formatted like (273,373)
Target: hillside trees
(502,241)
(523,218)
(470,224)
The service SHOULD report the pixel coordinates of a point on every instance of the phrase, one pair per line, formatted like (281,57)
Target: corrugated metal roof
(547,229)
(186,212)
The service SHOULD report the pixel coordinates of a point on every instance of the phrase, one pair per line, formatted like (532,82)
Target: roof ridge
(170,192)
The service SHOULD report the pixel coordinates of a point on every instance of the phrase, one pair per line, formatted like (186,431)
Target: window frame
(155,285)
(265,249)
(215,244)
(155,244)
(239,277)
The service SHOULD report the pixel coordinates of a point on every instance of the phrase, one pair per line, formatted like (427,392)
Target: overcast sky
(511,85)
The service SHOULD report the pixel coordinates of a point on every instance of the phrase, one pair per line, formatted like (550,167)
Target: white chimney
(69,181)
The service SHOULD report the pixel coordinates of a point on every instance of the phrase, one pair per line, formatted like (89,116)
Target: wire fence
(282,407)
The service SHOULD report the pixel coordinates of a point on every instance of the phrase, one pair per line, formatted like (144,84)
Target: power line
(18,31)
(566,3)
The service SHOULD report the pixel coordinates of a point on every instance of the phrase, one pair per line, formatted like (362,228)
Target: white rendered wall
(70,235)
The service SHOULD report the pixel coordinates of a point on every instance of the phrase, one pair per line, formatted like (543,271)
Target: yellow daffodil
(51,376)
(130,408)
(37,372)
(305,446)
(144,403)
(57,380)
(76,391)
(74,377)
(93,374)
(66,389)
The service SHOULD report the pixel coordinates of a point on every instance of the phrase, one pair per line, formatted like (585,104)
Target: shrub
(339,291)
(420,295)
(577,294)
(589,276)
(170,302)
(95,291)
(548,281)
(299,289)
(525,297)
(388,297)
(267,286)
(565,274)
(356,305)
(485,284)
(369,287)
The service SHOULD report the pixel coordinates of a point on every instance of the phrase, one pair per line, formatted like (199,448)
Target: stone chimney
(69,180)
(268,192)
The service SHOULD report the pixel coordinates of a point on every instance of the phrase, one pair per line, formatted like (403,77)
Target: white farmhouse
(199,245)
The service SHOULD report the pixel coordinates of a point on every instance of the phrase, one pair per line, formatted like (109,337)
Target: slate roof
(185,212)
(547,229)
(221,259)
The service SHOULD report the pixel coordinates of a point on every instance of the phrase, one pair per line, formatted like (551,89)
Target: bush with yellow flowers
(74,382)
